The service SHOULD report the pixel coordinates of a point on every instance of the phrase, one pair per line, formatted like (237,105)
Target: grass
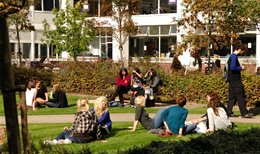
(72,100)
(120,139)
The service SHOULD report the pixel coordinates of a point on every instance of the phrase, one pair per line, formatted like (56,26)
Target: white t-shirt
(218,122)
(29,96)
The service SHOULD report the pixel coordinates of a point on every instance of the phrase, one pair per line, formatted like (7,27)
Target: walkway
(120,117)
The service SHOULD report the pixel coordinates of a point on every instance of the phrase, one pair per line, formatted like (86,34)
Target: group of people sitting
(172,120)
(37,95)
(95,123)
(136,84)
(89,124)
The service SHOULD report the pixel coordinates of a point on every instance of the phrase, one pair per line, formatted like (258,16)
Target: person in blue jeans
(174,118)
(59,98)
(143,117)
(84,128)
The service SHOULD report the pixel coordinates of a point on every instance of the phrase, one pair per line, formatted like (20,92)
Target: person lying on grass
(84,128)
(143,117)
(174,118)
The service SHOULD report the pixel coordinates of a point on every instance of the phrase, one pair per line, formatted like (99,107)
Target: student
(153,82)
(202,128)
(123,85)
(236,87)
(217,116)
(136,84)
(84,128)
(174,118)
(30,93)
(41,95)
(59,99)
(102,112)
(143,117)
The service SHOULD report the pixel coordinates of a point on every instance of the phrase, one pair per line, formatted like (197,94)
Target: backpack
(225,70)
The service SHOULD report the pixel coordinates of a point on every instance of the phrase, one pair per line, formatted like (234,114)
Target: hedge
(91,77)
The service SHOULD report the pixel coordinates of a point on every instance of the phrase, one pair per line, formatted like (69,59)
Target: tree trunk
(8,91)
(19,44)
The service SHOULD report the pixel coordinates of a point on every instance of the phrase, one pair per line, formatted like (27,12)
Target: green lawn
(121,137)
(72,100)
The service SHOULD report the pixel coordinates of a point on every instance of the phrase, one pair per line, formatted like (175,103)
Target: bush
(23,75)
(92,77)
(247,141)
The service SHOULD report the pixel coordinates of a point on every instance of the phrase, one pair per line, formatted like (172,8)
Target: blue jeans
(189,128)
(67,135)
(50,104)
(157,121)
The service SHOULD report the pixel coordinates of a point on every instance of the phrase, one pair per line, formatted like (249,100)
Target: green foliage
(23,75)
(72,32)
(217,21)
(220,142)
(87,77)
(91,78)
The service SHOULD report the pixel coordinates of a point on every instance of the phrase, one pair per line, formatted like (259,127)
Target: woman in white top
(30,93)
(217,116)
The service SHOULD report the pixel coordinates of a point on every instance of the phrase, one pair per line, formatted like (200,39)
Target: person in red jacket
(122,85)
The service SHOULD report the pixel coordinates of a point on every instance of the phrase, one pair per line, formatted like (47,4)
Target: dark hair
(241,46)
(153,73)
(121,74)
(181,101)
(31,85)
(214,103)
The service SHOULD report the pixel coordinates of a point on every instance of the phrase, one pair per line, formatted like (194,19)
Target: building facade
(157,36)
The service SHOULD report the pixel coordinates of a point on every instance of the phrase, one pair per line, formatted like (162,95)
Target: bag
(225,70)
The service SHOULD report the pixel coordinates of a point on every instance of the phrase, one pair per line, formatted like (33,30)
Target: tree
(216,23)
(7,78)
(72,33)
(21,22)
(121,13)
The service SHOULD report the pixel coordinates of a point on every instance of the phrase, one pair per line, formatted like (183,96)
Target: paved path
(120,117)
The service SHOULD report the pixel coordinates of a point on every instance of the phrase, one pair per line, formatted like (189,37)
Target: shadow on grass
(231,141)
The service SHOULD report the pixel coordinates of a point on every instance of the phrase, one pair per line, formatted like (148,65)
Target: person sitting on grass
(174,118)
(30,94)
(217,116)
(202,122)
(102,112)
(84,128)
(41,95)
(59,98)
(143,117)
(123,86)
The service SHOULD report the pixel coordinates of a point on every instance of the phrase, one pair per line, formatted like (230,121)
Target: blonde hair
(82,105)
(140,100)
(56,87)
(98,106)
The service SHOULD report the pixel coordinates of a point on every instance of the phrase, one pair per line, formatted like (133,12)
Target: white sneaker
(53,142)
(67,141)
(61,141)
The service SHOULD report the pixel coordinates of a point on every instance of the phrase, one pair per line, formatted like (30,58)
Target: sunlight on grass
(120,139)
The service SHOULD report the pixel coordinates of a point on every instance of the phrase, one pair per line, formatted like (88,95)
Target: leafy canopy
(72,32)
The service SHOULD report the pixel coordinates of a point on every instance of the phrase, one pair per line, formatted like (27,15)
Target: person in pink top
(122,85)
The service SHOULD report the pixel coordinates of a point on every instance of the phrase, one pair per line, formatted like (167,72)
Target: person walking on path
(236,87)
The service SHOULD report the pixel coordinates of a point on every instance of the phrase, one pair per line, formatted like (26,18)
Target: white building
(158,33)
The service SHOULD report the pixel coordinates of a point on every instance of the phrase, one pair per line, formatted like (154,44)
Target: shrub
(22,75)
(247,141)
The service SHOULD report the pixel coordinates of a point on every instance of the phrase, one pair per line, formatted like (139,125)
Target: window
(46,5)
(26,48)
